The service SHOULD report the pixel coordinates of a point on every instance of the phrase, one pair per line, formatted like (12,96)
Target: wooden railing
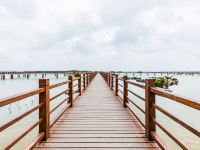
(150,106)
(44,106)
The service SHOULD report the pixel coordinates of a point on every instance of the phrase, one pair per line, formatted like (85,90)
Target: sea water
(188,86)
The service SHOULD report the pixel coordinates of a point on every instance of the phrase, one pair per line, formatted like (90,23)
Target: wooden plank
(94,128)
(96,148)
(97,135)
(100,145)
(96,132)
(63,123)
(97,119)
(122,140)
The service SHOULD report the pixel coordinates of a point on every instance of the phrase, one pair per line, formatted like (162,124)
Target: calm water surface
(189,86)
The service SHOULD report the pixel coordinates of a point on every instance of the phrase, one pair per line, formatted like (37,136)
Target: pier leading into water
(97,120)
(98,115)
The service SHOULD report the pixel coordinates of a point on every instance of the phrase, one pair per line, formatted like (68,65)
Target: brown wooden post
(70,78)
(79,84)
(116,85)
(88,82)
(84,80)
(111,86)
(125,90)
(108,79)
(149,109)
(44,110)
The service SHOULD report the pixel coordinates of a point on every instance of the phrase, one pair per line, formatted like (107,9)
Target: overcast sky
(146,35)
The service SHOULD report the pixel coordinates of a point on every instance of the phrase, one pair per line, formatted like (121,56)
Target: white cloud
(99,35)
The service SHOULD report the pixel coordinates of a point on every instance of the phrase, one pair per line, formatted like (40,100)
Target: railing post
(125,90)
(108,79)
(116,85)
(79,84)
(149,109)
(84,80)
(111,82)
(88,82)
(106,76)
(70,85)
(44,109)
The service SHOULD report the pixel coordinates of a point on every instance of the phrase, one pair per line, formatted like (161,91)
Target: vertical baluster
(79,84)
(88,82)
(108,79)
(111,86)
(116,84)
(149,109)
(44,110)
(84,81)
(125,90)
(70,86)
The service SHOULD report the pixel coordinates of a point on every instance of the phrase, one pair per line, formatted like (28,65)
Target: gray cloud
(99,35)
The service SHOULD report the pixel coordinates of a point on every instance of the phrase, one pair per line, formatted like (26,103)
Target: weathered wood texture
(98,120)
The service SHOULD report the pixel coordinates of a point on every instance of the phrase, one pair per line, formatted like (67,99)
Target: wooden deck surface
(97,120)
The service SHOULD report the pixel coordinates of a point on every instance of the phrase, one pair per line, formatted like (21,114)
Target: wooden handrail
(140,85)
(76,78)
(75,85)
(13,121)
(38,138)
(120,85)
(169,134)
(59,105)
(121,91)
(138,96)
(128,106)
(44,105)
(10,145)
(59,84)
(58,116)
(12,99)
(180,122)
(160,141)
(121,79)
(136,105)
(175,97)
(150,106)
(59,94)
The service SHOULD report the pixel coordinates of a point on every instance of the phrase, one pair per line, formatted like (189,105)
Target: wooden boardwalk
(97,120)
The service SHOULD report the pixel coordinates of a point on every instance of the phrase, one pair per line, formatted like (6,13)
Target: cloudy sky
(147,35)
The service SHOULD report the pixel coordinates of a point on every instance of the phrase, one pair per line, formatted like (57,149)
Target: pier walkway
(97,120)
